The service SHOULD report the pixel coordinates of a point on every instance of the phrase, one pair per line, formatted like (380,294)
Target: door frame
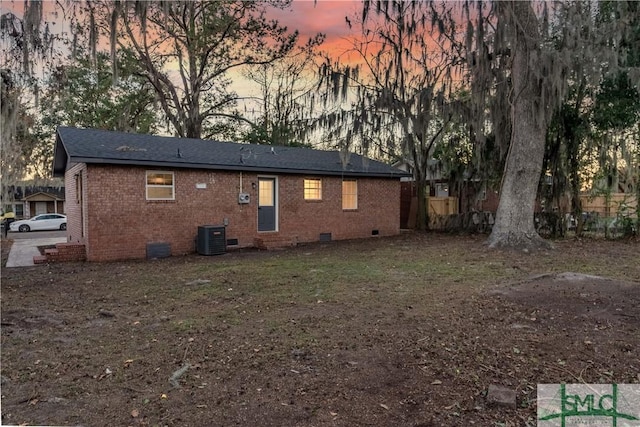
(80,202)
(276,204)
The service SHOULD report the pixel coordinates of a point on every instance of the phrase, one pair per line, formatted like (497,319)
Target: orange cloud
(322,16)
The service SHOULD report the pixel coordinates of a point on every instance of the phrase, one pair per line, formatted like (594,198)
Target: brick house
(127,193)
(29,200)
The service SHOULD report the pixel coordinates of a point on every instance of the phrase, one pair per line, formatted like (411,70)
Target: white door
(41,208)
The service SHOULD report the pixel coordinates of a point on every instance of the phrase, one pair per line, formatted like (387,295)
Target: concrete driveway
(25,245)
(33,235)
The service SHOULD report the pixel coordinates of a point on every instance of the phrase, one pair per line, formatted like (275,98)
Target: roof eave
(52,196)
(237,168)
(60,158)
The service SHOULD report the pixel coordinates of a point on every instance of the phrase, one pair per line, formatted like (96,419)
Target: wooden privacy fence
(610,207)
(439,209)
(443,206)
(442,210)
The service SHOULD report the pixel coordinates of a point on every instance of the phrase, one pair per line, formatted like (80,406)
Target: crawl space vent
(325,237)
(158,250)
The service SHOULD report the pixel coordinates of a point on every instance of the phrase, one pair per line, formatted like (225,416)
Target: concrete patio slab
(23,250)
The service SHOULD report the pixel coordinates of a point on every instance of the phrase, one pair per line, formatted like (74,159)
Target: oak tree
(187,50)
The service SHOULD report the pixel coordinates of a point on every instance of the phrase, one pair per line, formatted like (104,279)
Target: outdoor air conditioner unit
(211,240)
(243,198)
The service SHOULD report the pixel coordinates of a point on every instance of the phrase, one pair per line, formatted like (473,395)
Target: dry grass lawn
(402,331)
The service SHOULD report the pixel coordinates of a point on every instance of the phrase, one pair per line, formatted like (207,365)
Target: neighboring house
(478,197)
(27,201)
(127,193)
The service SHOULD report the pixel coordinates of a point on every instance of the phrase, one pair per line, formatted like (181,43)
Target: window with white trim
(160,185)
(349,194)
(313,189)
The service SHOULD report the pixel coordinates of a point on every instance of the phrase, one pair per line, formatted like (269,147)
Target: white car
(50,221)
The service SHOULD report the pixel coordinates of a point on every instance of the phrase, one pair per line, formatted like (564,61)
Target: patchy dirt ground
(403,331)
(5,248)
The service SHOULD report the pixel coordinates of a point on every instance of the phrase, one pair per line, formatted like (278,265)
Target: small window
(160,186)
(266,194)
(442,190)
(313,189)
(349,194)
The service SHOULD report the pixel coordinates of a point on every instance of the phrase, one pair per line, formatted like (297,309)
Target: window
(160,186)
(266,193)
(349,194)
(442,190)
(313,189)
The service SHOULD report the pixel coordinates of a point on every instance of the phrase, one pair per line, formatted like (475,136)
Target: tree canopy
(401,89)
(186,50)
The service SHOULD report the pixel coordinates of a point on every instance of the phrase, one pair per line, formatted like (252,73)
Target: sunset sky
(323,16)
(312,17)
(309,17)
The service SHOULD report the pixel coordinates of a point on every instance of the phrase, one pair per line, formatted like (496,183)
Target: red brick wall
(121,222)
(378,209)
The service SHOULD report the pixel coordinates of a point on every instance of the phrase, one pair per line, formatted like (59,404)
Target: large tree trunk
(422,214)
(514,225)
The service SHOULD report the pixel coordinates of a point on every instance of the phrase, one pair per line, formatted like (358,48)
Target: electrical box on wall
(243,198)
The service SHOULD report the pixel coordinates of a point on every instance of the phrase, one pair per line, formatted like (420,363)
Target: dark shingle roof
(75,145)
